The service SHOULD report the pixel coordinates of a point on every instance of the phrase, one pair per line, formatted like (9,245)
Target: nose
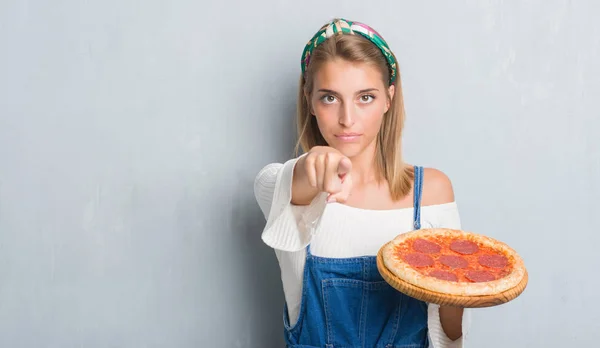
(347,116)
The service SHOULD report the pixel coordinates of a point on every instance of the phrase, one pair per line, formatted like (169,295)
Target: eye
(328,99)
(367,98)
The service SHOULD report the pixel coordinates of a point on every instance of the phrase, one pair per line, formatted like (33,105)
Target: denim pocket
(359,313)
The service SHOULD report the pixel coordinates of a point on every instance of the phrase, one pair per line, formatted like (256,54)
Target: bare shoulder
(437,187)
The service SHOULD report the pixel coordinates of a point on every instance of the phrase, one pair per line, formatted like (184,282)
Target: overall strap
(417,192)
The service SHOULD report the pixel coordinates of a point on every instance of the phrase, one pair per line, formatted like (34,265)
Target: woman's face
(348,101)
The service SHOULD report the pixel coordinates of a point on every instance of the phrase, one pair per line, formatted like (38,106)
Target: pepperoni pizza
(453,262)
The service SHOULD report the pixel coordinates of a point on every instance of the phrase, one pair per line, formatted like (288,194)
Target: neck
(364,169)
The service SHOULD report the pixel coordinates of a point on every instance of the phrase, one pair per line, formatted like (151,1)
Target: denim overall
(347,304)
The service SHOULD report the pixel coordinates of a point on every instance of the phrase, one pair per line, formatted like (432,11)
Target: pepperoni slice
(453,261)
(444,275)
(479,276)
(425,246)
(418,260)
(464,247)
(493,261)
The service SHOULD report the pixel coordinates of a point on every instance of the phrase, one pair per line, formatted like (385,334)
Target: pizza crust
(408,274)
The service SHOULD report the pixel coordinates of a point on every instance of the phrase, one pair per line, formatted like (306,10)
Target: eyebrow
(323,90)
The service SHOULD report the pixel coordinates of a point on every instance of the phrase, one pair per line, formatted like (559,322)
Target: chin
(349,150)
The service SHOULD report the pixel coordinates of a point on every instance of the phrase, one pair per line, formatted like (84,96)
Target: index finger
(344,167)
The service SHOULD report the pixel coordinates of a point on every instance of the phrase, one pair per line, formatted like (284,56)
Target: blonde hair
(388,157)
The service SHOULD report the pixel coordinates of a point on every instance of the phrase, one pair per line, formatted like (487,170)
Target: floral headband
(342,26)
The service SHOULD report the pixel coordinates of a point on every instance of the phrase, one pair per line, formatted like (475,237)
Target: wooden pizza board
(445,299)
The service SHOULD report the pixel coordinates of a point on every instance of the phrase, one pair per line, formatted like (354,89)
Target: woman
(330,210)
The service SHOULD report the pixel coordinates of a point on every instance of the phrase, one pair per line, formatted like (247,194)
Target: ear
(391,91)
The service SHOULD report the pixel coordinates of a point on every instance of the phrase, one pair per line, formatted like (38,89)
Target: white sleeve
(437,336)
(286,228)
(448,218)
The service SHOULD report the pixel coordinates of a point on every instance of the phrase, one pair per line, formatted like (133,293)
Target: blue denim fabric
(347,304)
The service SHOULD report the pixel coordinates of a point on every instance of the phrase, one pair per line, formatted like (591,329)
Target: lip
(348,137)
